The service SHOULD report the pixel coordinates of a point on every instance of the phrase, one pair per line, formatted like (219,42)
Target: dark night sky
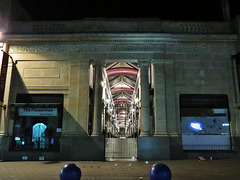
(185,10)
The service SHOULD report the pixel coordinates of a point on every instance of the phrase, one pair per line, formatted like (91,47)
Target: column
(145,111)
(172,121)
(159,99)
(97,111)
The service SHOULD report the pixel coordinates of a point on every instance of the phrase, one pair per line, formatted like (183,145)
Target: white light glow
(103,84)
(136,100)
(123,115)
(122,85)
(196,126)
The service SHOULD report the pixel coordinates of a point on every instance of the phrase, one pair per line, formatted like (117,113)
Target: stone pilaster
(160,99)
(97,111)
(145,111)
(172,121)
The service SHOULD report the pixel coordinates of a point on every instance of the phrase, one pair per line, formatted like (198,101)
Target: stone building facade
(188,74)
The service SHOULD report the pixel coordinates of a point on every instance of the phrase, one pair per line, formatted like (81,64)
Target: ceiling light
(136,100)
(103,84)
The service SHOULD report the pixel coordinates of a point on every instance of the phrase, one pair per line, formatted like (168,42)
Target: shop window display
(205,122)
(37,126)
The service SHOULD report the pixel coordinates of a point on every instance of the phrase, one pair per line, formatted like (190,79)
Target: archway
(120,120)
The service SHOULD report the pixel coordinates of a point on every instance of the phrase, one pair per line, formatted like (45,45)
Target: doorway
(120,117)
(121,148)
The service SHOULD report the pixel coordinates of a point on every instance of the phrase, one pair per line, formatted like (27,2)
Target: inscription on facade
(193,47)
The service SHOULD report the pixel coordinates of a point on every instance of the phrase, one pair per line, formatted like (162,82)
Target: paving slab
(122,170)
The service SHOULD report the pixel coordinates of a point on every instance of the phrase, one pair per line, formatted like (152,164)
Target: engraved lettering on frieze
(137,46)
(90,47)
(177,46)
(206,48)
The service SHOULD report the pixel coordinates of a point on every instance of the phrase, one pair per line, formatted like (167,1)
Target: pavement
(122,170)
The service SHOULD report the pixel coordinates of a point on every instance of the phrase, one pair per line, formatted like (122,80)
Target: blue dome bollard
(160,171)
(70,172)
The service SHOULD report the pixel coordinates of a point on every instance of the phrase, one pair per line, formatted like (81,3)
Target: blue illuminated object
(196,126)
(70,172)
(160,171)
(52,140)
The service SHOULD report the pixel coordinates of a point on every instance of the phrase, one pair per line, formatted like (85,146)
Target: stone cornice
(121,25)
(119,38)
(104,42)
(196,48)
(123,57)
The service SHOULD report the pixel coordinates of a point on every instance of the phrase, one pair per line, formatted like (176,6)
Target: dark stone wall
(170,148)
(79,148)
(153,148)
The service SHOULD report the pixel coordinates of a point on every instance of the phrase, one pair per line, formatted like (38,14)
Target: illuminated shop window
(37,122)
(205,122)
